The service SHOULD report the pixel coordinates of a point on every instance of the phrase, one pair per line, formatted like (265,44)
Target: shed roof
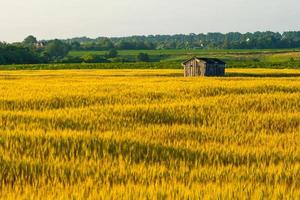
(207,60)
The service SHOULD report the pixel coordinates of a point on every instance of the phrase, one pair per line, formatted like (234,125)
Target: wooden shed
(204,67)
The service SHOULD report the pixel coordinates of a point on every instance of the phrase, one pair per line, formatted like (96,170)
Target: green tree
(75,46)
(17,54)
(112,53)
(56,49)
(104,44)
(30,40)
(143,57)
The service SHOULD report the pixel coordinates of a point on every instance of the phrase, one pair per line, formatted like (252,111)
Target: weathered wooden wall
(196,68)
(192,68)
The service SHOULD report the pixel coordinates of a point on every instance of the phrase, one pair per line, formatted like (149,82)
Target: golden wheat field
(149,134)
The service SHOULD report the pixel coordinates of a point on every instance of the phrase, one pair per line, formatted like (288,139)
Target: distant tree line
(233,40)
(32,51)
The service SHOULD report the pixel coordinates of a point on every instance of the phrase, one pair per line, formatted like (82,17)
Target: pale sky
(49,19)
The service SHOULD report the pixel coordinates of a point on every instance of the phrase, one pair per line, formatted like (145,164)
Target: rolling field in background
(172,59)
(150,134)
(264,55)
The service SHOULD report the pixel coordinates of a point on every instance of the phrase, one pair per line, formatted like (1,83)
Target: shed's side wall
(215,70)
(192,68)
(220,70)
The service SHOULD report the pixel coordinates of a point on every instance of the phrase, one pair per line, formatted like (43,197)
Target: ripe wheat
(149,134)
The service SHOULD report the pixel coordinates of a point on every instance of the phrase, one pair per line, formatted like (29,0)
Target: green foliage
(171,59)
(56,49)
(233,40)
(112,53)
(143,57)
(11,54)
(91,58)
(71,59)
(105,43)
(57,52)
(30,40)
(119,60)
(75,45)
(103,65)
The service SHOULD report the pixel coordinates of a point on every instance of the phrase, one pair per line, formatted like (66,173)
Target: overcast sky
(49,19)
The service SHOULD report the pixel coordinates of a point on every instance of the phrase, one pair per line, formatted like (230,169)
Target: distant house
(204,67)
(40,44)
